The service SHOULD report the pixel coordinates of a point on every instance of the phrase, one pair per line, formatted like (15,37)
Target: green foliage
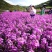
(50,2)
(6,6)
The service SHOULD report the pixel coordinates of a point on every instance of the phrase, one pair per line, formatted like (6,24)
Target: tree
(4,5)
(50,2)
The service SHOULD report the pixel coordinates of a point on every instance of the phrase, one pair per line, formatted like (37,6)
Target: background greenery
(6,6)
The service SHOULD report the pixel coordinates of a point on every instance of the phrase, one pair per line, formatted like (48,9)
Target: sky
(25,2)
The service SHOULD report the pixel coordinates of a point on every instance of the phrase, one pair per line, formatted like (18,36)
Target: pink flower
(21,40)
(31,50)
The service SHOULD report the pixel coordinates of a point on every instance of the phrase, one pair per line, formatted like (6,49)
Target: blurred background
(7,6)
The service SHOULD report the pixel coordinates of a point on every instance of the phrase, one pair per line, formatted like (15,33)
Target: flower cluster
(21,33)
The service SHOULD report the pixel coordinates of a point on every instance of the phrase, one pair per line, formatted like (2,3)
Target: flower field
(21,33)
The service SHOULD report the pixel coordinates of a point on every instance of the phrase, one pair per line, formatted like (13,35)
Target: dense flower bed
(21,33)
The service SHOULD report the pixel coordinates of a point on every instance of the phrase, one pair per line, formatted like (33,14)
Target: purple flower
(50,49)
(21,40)
(44,41)
(1,40)
(19,32)
(31,50)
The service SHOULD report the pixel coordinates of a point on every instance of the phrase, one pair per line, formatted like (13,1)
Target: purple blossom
(1,41)
(21,33)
